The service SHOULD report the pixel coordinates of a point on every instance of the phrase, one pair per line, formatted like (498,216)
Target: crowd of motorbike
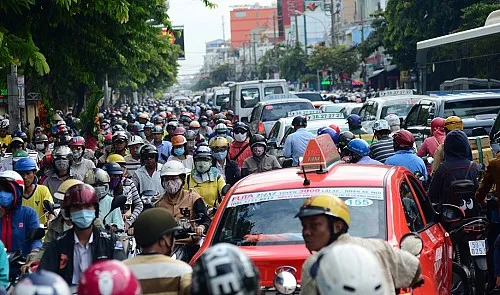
(151,179)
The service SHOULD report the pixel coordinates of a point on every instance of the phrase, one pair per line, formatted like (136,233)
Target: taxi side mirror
(287,163)
(412,243)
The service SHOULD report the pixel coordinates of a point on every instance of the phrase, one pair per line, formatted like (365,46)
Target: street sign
(395,92)
(325,116)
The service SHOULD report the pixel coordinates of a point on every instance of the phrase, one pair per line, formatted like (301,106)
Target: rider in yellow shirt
(34,194)
(5,138)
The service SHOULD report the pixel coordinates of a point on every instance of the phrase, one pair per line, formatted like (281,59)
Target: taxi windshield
(273,112)
(399,109)
(273,222)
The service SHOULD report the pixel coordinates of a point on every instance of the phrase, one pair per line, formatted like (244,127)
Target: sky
(202,25)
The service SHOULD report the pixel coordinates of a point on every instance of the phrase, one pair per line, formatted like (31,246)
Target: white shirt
(221,169)
(82,258)
(188,162)
(143,181)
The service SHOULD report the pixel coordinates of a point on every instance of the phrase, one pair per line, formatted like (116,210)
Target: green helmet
(152,224)
(20,154)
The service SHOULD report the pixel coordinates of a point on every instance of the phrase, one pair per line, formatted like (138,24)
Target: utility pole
(296,31)
(361,8)
(13,95)
(275,63)
(332,15)
(254,53)
(305,32)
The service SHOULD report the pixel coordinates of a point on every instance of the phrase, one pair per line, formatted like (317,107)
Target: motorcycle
(185,245)
(149,199)
(469,268)
(129,243)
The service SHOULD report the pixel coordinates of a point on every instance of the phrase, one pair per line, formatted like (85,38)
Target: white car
(345,107)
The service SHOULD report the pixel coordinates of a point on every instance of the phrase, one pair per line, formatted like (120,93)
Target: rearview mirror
(412,243)
(35,234)
(118,201)
(451,213)
(225,189)
(48,206)
(287,163)
(244,120)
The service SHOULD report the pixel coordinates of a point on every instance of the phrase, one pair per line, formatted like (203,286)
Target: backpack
(461,193)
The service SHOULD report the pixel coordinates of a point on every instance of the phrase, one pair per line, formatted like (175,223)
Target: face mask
(204,124)
(172,186)
(83,218)
(77,154)
(240,137)
(114,183)
(202,166)
(179,151)
(40,146)
(196,131)
(6,199)
(101,191)
(220,155)
(61,165)
(258,150)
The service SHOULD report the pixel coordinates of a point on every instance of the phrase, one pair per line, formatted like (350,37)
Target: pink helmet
(108,277)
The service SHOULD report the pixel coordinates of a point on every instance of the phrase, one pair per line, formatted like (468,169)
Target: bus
(461,62)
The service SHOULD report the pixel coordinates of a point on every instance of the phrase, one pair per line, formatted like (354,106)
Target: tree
(338,59)
(293,64)
(268,63)
(202,84)
(221,74)
(475,15)
(376,37)
(410,21)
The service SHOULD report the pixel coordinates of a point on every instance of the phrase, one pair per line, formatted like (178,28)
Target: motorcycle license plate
(477,248)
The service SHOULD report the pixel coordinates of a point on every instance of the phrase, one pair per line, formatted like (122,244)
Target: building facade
(246,22)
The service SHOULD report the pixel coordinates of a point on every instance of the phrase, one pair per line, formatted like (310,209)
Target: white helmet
(172,168)
(393,120)
(221,126)
(135,140)
(349,269)
(381,124)
(4,124)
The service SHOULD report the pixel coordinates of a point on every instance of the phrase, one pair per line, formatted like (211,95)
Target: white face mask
(172,186)
(202,166)
(66,226)
(240,137)
(40,146)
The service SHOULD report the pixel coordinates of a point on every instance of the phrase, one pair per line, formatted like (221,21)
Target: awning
(376,73)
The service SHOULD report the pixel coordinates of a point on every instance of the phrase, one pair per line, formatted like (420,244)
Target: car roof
(305,92)
(339,175)
(464,96)
(284,100)
(396,98)
(258,81)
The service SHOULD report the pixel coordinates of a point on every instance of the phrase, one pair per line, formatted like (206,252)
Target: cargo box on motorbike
(481,149)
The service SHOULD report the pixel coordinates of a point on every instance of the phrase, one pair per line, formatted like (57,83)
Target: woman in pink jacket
(431,143)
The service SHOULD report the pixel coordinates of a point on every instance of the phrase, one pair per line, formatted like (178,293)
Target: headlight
(284,280)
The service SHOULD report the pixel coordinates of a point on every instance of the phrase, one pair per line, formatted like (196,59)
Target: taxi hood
(269,258)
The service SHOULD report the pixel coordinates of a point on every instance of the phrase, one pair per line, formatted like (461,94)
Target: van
(220,99)
(244,96)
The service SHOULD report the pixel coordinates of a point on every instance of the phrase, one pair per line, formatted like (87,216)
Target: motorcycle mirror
(412,243)
(225,189)
(451,213)
(118,201)
(287,163)
(285,282)
(48,206)
(35,234)
(430,160)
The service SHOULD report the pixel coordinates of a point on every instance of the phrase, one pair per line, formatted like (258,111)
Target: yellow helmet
(115,158)
(219,141)
(64,187)
(325,204)
(453,123)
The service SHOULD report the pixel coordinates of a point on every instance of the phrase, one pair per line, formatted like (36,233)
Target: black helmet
(117,128)
(299,121)
(157,130)
(240,126)
(344,139)
(233,269)
(39,138)
(158,120)
(153,224)
(258,139)
(149,150)
(120,136)
(203,118)
(122,123)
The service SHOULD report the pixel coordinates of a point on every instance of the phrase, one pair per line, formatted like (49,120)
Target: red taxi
(385,202)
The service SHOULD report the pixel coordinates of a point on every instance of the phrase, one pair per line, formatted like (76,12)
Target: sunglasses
(219,149)
(149,157)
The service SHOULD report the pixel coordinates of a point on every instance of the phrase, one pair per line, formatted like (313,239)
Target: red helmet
(403,139)
(437,124)
(108,277)
(335,127)
(77,141)
(179,131)
(79,194)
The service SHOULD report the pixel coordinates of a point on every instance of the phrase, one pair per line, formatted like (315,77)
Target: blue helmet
(327,130)
(113,169)
(42,282)
(25,164)
(359,147)
(354,121)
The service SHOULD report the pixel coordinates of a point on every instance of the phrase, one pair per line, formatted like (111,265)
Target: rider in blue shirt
(358,152)
(16,219)
(405,155)
(296,143)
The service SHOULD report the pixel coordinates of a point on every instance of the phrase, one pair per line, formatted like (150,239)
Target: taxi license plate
(477,248)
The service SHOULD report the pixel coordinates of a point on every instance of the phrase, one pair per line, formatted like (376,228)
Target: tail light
(261,128)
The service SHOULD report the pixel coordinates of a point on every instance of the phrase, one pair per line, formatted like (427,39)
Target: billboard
(179,40)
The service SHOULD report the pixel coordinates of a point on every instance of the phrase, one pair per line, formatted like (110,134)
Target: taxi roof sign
(320,154)
(395,92)
(325,116)
(280,96)
(302,112)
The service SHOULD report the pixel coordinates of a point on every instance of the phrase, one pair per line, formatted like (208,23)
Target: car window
(368,111)
(253,117)
(411,119)
(355,110)
(399,109)
(273,112)
(471,108)
(423,200)
(311,96)
(410,207)
(423,114)
(219,100)
(288,130)
(273,90)
(249,97)
(333,108)
(273,135)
